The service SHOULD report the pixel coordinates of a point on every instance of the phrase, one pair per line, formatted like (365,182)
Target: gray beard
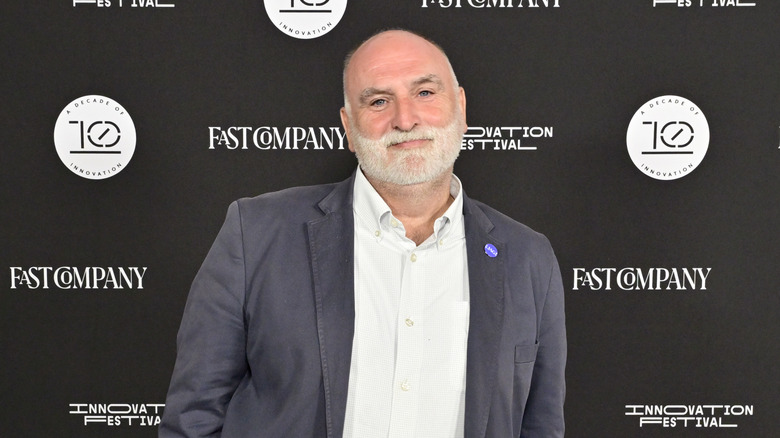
(410,166)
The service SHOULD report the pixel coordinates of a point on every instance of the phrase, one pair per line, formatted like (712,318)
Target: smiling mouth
(411,143)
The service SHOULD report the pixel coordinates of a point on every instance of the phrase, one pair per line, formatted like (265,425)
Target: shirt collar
(373,211)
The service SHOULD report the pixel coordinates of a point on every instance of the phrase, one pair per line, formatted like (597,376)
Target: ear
(462,104)
(345,124)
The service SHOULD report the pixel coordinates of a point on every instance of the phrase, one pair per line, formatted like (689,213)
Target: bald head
(388,44)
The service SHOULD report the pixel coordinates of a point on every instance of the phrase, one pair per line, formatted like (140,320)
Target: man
(387,305)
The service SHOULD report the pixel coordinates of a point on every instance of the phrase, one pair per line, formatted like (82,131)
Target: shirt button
(413,258)
(394,223)
(405,386)
(377,233)
(409,322)
(441,242)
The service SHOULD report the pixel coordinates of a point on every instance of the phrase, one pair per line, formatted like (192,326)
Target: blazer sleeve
(544,409)
(211,343)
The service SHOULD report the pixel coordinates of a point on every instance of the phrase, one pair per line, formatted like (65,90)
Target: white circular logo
(305,19)
(668,137)
(94,137)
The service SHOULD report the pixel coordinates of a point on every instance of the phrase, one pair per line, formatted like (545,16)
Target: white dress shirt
(408,369)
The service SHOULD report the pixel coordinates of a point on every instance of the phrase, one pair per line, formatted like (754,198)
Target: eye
(378,102)
(425,93)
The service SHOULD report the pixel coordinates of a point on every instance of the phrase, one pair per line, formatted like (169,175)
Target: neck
(417,206)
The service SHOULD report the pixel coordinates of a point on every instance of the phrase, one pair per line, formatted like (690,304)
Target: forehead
(395,56)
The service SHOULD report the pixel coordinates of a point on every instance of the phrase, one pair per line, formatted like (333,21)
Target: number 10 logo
(94,137)
(675,135)
(100,134)
(668,137)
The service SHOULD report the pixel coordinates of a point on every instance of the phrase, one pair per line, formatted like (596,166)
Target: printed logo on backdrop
(75,278)
(305,19)
(704,3)
(118,414)
(505,138)
(272,138)
(668,137)
(689,416)
(94,137)
(479,4)
(639,279)
(125,3)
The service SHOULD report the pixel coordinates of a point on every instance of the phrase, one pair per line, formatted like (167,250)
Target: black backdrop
(581,69)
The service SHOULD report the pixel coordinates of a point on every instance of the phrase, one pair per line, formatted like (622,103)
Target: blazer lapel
(486,295)
(331,246)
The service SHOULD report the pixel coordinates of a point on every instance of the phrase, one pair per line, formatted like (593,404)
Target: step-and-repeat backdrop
(642,137)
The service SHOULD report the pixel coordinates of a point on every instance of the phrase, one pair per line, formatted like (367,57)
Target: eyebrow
(429,79)
(367,93)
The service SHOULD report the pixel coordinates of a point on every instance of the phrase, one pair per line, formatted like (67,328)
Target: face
(404,114)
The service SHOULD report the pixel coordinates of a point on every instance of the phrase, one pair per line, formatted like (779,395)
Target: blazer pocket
(525,353)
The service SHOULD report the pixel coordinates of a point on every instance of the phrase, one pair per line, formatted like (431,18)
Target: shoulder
(290,201)
(295,204)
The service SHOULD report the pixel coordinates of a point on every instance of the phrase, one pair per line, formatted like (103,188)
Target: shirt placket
(409,352)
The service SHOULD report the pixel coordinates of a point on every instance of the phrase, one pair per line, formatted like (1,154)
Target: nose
(405,116)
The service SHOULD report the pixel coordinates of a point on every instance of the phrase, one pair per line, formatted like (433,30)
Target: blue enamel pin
(491,250)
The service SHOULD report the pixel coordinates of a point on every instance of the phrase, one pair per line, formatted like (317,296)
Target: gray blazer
(265,343)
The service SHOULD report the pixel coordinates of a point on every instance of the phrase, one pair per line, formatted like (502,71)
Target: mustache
(395,137)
